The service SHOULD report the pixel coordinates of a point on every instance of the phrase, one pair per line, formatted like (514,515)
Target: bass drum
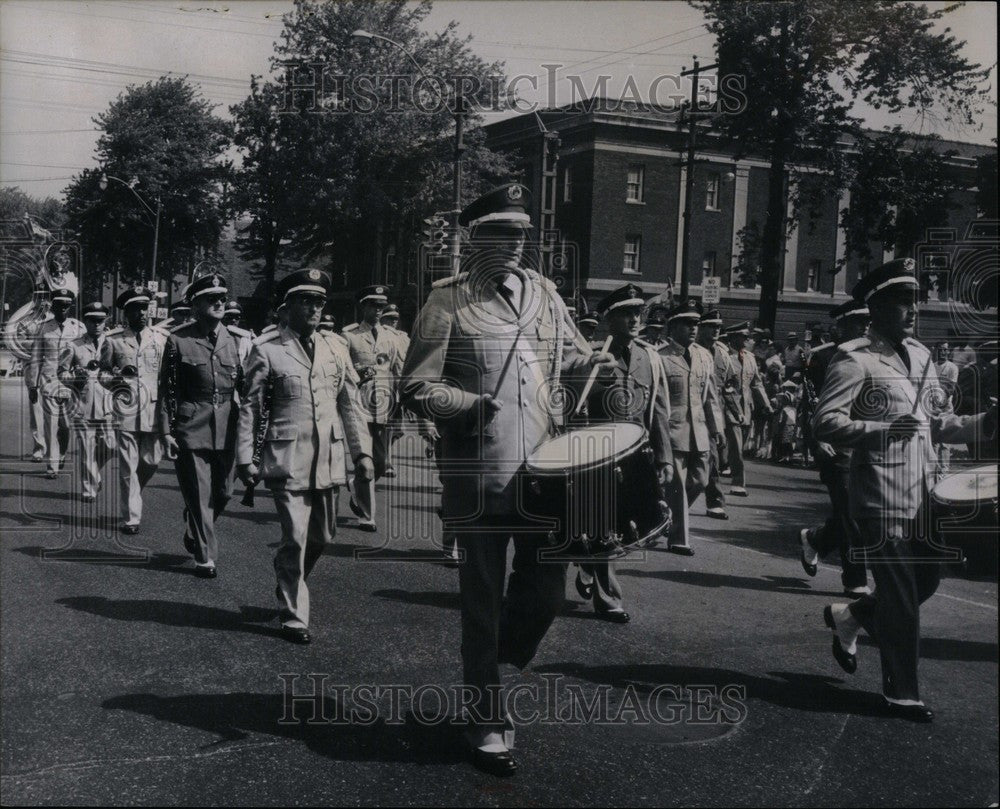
(596,492)
(964,516)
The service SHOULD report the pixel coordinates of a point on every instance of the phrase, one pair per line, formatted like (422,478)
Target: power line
(46,131)
(37,179)
(41,165)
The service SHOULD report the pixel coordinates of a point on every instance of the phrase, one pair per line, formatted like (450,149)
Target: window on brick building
(633,244)
(634,188)
(567,184)
(812,281)
(712,192)
(708,264)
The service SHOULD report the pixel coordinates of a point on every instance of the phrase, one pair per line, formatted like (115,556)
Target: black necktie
(687,356)
(307,344)
(138,338)
(507,295)
(904,356)
(625,354)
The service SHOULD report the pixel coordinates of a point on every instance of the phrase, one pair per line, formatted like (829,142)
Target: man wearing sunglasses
(199,379)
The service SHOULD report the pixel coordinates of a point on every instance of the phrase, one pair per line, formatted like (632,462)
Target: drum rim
(944,500)
(562,471)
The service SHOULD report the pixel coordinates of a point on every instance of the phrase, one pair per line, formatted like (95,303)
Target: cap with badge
(629,295)
(851,308)
(589,317)
(710,318)
(95,309)
(327,323)
(685,310)
(900,272)
(308,281)
(63,296)
(206,285)
(505,206)
(374,294)
(234,308)
(391,311)
(741,329)
(657,316)
(179,308)
(137,295)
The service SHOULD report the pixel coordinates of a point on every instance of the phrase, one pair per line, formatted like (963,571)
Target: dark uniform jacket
(199,385)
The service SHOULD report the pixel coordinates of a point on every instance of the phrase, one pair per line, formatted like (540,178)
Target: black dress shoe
(847,661)
(296,634)
(681,550)
(586,591)
(912,713)
(51,475)
(389,472)
(716,514)
(501,764)
(368,527)
(615,616)
(130,530)
(206,572)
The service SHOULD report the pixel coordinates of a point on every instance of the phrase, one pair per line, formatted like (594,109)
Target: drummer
(878,398)
(635,391)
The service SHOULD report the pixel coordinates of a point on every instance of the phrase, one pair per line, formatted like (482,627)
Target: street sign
(710,290)
(152,286)
(161,312)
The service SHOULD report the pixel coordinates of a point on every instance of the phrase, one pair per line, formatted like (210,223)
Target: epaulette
(855,344)
(266,337)
(451,279)
(180,326)
(114,331)
(239,332)
(350,327)
(723,347)
(644,343)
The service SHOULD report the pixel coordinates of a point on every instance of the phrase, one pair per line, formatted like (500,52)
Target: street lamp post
(456,190)
(103,185)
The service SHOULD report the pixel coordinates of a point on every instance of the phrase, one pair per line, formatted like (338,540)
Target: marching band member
(726,380)
(839,531)
(79,370)
(196,415)
(486,348)
(587,325)
(377,360)
(303,379)
(635,391)
(130,367)
(878,398)
(36,413)
(234,313)
(749,398)
(52,338)
(690,373)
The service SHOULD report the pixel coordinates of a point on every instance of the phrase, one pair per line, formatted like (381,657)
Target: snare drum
(596,490)
(964,514)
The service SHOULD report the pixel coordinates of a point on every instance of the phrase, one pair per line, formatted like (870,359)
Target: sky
(62,63)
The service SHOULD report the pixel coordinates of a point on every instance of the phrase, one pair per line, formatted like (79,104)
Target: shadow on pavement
(237,716)
(770,584)
(802,692)
(132,558)
(970,651)
(448,601)
(172,613)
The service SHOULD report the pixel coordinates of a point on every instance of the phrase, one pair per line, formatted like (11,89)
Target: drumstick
(506,365)
(590,380)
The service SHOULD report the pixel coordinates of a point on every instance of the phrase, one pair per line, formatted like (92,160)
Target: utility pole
(692,121)
(456,191)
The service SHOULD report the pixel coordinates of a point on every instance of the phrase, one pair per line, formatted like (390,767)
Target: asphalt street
(127,680)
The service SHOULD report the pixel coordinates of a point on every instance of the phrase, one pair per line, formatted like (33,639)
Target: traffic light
(436,234)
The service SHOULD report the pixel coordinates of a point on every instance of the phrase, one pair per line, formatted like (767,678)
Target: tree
(367,163)
(166,141)
(986,183)
(14,204)
(806,65)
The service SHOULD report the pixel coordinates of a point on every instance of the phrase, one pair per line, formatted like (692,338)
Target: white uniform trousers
(96,440)
(139,454)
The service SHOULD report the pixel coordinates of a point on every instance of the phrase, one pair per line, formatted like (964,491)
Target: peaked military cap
(376,293)
(63,295)
(95,309)
(589,317)
(390,311)
(133,295)
(506,205)
(308,281)
(179,307)
(234,308)
(741,328)
(327,323)
(851,308)
(628,295)
(898,272)
(685,310)
(711,318)
(206,285)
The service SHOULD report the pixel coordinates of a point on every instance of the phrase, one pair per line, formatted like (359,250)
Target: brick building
(608,187)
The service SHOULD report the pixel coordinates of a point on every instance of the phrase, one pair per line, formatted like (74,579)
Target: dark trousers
(494,629)
(839,531)
(892,615)
(206,480)
(607,589)
(714,498)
